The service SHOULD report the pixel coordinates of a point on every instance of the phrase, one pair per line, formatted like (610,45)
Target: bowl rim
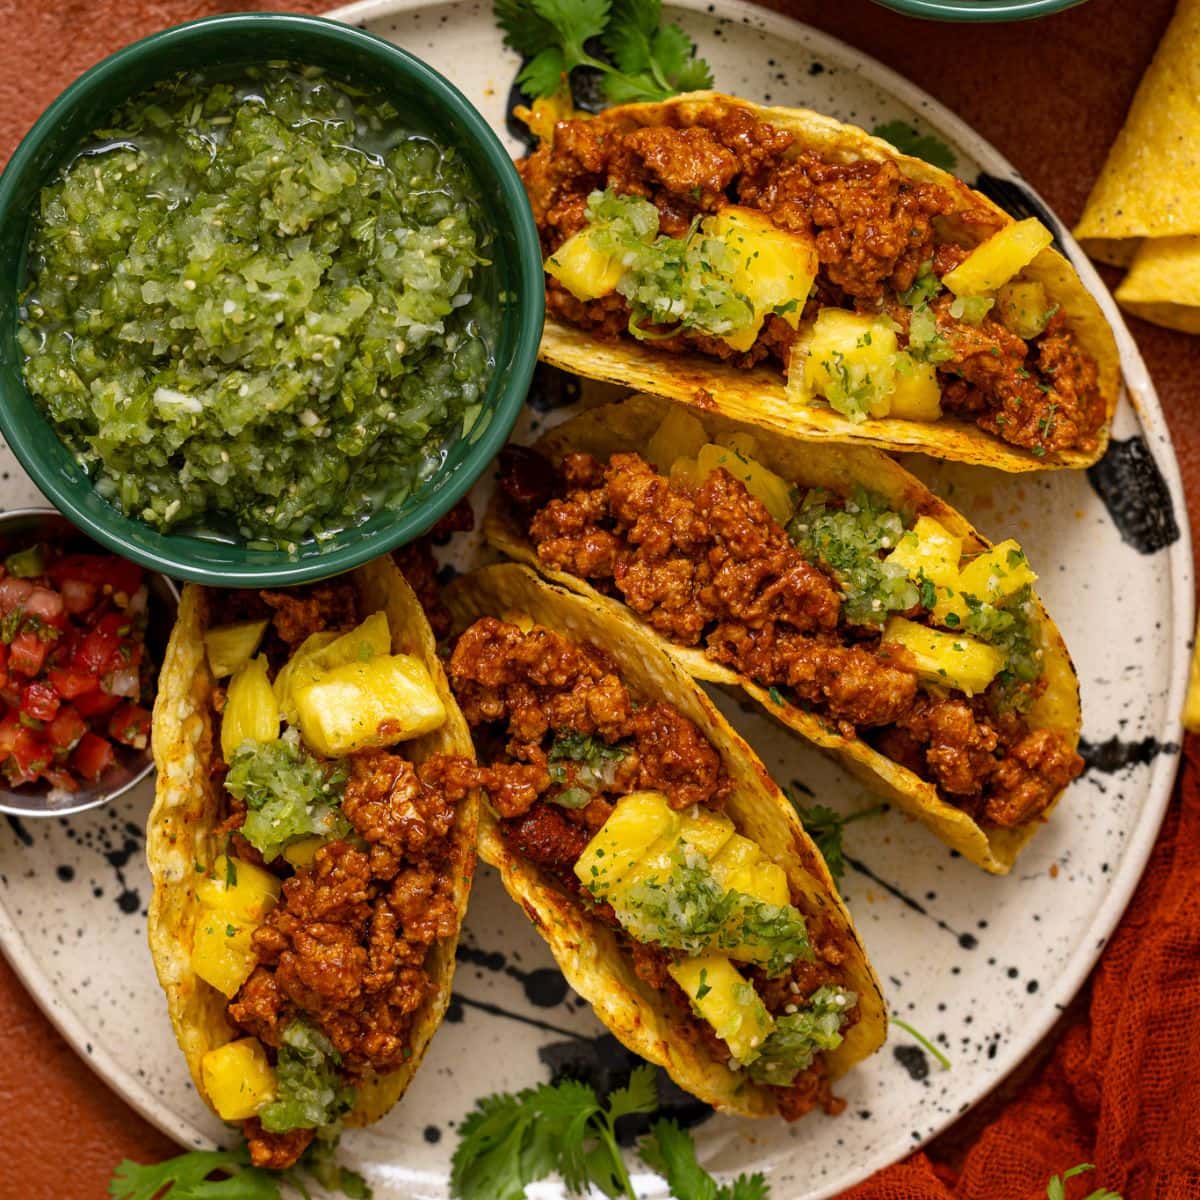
(518,369)
(978,11)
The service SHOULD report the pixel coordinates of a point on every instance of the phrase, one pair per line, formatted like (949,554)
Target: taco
(311,847)
(670,877)
(781,268)
(831,586)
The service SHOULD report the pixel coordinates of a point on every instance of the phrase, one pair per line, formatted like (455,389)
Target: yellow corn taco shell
(760,397)
(585,949)
(629,425)
(181,845)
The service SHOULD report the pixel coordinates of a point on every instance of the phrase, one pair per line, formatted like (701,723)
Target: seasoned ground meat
(538,684)
(275,1151)
(299,613)
(709,566)
(874,231)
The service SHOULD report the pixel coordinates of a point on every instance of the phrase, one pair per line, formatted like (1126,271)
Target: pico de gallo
(75,679)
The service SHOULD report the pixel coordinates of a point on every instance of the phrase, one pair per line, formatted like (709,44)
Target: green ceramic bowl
(978,10)
(431,103)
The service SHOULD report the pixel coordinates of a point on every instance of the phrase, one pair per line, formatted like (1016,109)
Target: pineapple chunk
(587,273)
(745,444)
(639,820)
(917,395)
(774,268)
(951,660)
(999,573)
(728,1002)
(929,548)
(705,831)
(764,880)
(251,712)
(238,1079)
(851,361)
(231,647)
(738,852)
(686,474)
(322,652)
(302,853)
(283,681)
(222,952)
(774,492)
(246,892)
(364,705)
(1022,307)
(679,436)
(991,265)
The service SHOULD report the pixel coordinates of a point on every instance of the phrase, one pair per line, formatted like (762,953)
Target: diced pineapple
(764,880)
(302,853)
(1022,307)
(774,491)
(917,395)
(222,952)
(745,444)
(727,1001)
(999,573)
(991,265)
(283,681)
(587,273)
(365,705)
(251,712)
(952,660)
(773,268)
(737,853)
(685,473)
(639,820)
(238,1079)
(705,831)
(679,436)
(929,548)
(231,647)
(851,361)
(243,891)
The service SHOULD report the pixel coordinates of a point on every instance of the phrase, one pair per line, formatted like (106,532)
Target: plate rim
(1143,396)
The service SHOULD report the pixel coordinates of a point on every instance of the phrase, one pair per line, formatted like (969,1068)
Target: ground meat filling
(346,946)
(874,231)
(710,567)
(520,691)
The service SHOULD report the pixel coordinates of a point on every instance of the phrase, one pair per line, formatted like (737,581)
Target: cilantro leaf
(543,74)
(826,827)
(671,1152)
(627,38)
(187,1177)
(1056,1189)
(527,32)
(908,140)
(639,1095)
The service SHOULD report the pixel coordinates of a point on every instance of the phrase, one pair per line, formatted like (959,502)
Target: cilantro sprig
(639,58)
(190,1177)
(827,827)
(909,140)
(1056,1188)
(510,1141)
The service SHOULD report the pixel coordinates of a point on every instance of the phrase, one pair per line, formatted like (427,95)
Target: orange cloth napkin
(1122,1088)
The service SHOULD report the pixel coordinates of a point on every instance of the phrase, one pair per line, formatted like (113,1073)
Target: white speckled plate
(981,965)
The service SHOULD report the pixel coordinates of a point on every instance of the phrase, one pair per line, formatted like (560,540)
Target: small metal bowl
(22,527)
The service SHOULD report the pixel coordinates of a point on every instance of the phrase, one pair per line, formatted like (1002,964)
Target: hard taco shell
(181,845)
(586,949)
(629,425)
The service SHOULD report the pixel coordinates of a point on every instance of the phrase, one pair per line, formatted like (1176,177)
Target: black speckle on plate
(913,1060)
(1116,754)
(1128,481)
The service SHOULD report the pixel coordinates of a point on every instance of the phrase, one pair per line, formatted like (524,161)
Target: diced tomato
(95,704)
(60,777)
(79,595)
(104,571)
(40,701)
(27,654)
(69,684)
(66,729)
(92,757)
(100,649)
(10,726)
(30,756)
(130,724)
(3,664)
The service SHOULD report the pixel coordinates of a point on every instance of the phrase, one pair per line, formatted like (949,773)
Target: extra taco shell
(181,844)
(628,426)
(1144,209)
(759,395)
(585,948)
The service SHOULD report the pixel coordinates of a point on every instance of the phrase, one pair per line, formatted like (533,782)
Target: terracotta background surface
(1050,94)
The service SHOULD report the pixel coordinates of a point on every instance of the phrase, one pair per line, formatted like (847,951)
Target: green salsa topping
(797,1037)
(310,1091)
(254,306)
